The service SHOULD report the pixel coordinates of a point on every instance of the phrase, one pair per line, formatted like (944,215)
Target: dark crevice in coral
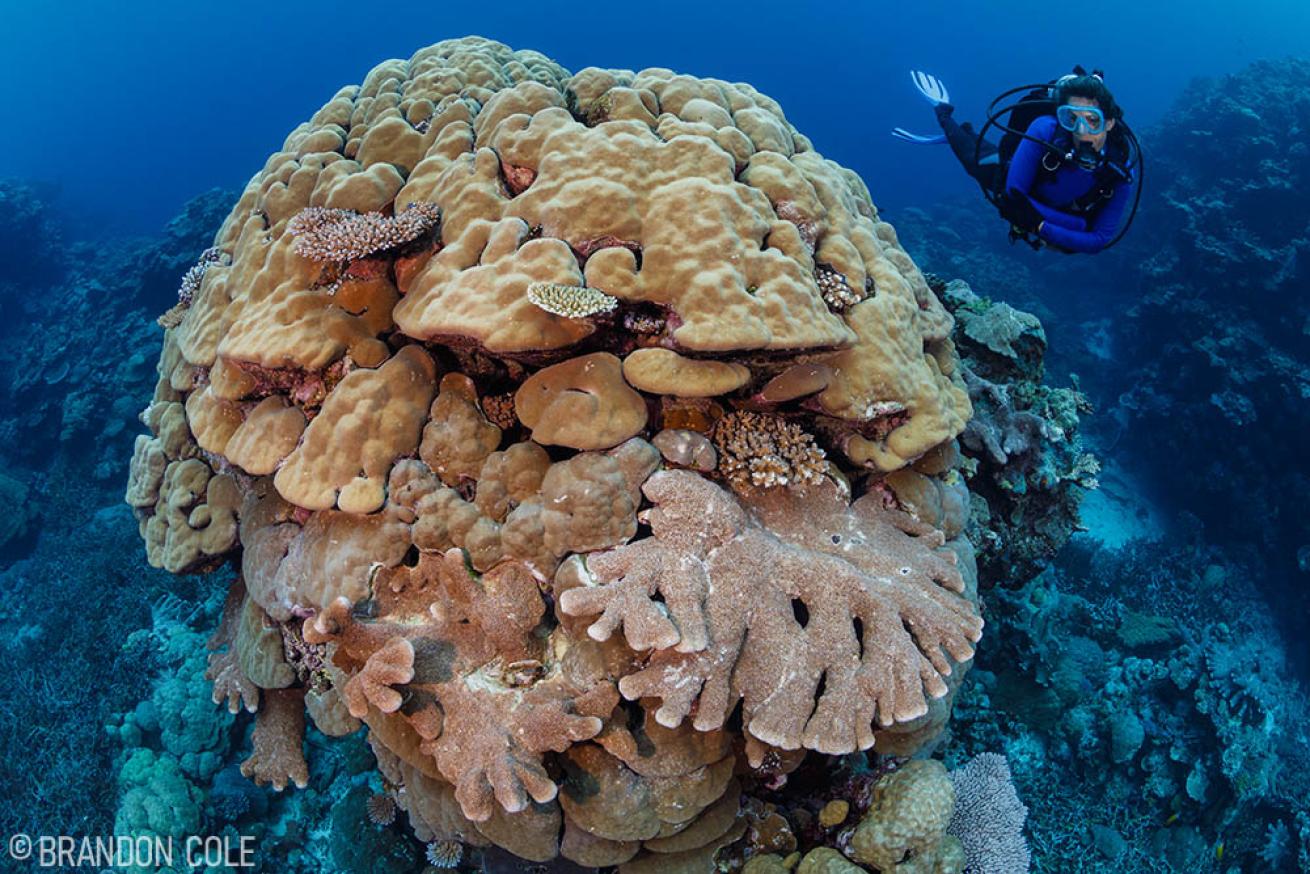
(800,612)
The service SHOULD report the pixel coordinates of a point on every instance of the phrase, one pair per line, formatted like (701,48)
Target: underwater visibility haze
(562,439)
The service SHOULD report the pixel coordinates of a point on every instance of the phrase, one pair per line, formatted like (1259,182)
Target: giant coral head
(499,361)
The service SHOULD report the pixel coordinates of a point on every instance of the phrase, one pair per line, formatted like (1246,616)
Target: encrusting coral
(500,360)
(881,611)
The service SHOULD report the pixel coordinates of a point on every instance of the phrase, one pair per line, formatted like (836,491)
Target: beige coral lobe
(584,438)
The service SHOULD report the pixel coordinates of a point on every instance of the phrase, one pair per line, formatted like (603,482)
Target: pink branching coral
(324,234)
(774,605)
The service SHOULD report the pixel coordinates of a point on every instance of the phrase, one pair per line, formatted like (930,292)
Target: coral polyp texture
(553,427)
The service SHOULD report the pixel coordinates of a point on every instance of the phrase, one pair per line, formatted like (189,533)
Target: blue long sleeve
(1022,175)
(1103,229)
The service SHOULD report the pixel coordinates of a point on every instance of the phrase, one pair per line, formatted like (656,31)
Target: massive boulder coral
(450,401)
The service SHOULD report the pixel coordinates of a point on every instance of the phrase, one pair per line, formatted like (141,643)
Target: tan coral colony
(537,402)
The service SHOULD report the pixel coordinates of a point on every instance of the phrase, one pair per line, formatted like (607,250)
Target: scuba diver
(1065,170)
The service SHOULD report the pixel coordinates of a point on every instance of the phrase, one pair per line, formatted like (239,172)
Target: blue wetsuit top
(1055,193)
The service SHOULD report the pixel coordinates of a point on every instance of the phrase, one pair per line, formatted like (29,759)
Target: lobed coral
(437,459)
(905,830)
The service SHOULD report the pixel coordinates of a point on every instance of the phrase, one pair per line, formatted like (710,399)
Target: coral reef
(1152,691)
(1028,468)
(1221,272)
(32,254)
(78,380)
(1152,680)
(629,257)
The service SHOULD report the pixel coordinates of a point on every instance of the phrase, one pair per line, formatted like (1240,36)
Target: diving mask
(1081,119)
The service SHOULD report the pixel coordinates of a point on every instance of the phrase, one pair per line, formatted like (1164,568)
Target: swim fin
(932,88)
(918,139)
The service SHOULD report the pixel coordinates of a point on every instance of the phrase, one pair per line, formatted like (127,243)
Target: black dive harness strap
(1108,175)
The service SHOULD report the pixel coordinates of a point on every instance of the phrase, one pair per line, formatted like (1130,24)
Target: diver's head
(1085,107)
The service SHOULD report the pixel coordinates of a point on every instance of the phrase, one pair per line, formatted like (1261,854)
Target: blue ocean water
(1138,486)
(131,108)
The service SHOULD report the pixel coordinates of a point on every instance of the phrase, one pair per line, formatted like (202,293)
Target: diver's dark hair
(1080,83)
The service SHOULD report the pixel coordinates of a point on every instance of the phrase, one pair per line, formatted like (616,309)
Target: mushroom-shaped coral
(665,372)
(582,403)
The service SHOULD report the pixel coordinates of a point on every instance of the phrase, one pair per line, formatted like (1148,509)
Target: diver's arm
(1022,174)
(1102,231)
(1056,217)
